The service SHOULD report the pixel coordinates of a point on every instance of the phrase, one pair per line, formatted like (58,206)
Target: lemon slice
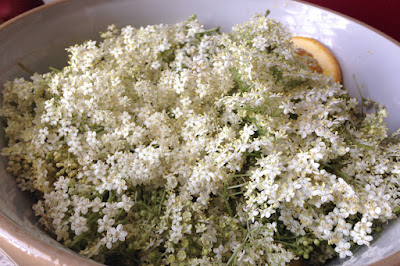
(319,58)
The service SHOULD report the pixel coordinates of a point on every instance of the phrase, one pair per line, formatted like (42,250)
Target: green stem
(237,186)
(95,196)
(359,91)
(54,69)
(235,194)
(25,68)
(216,29)
(363,146)
(231,259)
(76,240)
(240,175)
(144,205)
(286,243)
(110,196)
(287,237)
(341,174)
(119,214)
(93,217)
(209,31)
(360,145)
(124,221)
(233,176)
(161,202)
(228,206)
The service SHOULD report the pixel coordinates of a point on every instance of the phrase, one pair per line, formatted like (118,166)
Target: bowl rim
(57,2)
(16,240)
(22,246)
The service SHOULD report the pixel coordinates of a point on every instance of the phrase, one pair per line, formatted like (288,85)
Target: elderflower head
(179,144)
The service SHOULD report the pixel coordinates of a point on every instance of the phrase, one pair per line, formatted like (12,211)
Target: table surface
(382,14)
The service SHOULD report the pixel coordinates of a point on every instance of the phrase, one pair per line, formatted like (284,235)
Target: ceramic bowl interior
(38,40)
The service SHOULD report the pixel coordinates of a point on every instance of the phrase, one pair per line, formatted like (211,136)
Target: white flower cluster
(172,144)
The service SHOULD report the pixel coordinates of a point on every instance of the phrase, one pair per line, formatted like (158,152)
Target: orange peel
(319,57)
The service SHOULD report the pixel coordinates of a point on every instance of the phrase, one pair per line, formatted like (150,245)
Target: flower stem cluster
(172,144)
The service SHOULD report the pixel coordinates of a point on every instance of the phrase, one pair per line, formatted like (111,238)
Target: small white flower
(110,209)
(78,224)
(62,184)
(343,249)
(219,252)
(105,223)
(126,203)
(96,204)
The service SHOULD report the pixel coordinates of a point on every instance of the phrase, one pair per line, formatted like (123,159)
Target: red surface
(12,8)
(383,15)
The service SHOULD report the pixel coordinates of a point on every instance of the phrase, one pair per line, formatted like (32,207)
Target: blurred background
(382,14)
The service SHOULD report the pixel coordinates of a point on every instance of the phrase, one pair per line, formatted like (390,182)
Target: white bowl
(38,38)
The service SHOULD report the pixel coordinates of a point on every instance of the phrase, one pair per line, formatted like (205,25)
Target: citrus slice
(319,58)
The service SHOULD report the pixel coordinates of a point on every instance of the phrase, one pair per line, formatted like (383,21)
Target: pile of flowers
(172,144)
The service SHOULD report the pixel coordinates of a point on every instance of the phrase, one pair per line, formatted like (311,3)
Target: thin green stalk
(249,233)
(363,146)
(76,240)
(235,194)
(92,218)
(286,243)
(227,201)
(237,186)
(54,69)
(360,145)
(124,221)
(341,174)
(119,214)
(238,175)
(216,29)
(161,202)
(236,75)
(359,91)
(110,196)
(288,237)
(96,196)
(206,32)
(26,69)
(225,198)
(231,259)
(144,205)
